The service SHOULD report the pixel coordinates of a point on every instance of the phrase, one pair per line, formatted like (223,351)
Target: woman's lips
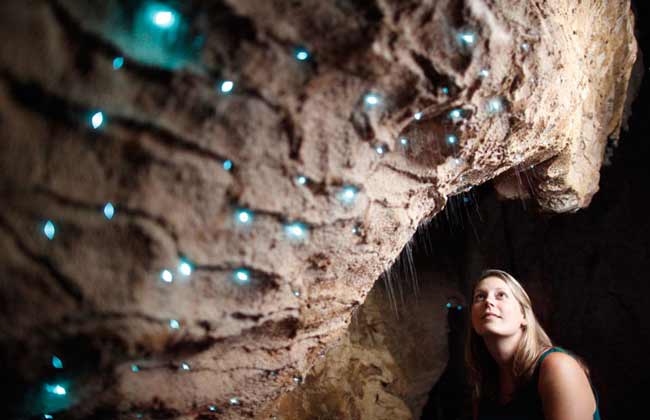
(490,316)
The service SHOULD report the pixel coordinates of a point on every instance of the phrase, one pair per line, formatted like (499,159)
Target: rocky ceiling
(196,196)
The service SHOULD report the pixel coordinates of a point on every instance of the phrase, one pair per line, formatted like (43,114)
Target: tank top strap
(549,351)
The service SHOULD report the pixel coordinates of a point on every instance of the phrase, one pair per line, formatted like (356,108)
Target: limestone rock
(398,106)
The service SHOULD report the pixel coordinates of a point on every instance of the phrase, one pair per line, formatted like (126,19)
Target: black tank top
(526,404)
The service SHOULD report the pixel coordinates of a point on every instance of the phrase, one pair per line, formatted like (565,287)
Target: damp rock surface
(210,109)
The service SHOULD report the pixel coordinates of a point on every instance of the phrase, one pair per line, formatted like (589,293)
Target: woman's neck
(502,350)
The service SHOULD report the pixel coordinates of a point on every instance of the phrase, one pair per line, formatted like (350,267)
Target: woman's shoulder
(563,380)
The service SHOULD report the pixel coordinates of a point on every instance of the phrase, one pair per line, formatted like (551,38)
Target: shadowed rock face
(396,107)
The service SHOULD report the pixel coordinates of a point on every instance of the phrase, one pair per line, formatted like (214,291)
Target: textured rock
(383,367)
(93,294)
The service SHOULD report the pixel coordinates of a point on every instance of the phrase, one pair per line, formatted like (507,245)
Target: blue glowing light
(417,116)
(174,324)
(243,216)
(445,90)
(57,363)
(371,99)
(163,17)
(495,105)
(467,38)
(226,86)
(118,62)
(455,114)
(185,267)
(49,230)
(448,305)
(135,368)
(301,179)
(227,164)
(451,139)
(212,408)
(380,150)
(404,141)
(47,416)
(296,293)
(301,54)
(459,307)
(484,73)
(347,195)
(185,366)
(296,231)
(97,119)
(167,276)
(55,389)
(234,401)
(109,211)
(241,276)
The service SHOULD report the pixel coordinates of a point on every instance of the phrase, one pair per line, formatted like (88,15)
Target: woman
(514,370)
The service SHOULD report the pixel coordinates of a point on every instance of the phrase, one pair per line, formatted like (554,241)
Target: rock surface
(177,154)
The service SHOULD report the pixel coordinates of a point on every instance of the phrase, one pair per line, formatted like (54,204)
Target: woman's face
(495,310)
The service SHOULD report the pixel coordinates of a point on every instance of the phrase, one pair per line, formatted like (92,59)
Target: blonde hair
(482,369)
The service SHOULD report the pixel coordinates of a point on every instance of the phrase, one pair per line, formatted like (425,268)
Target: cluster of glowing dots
(184,268)
(97,119)
(458,307)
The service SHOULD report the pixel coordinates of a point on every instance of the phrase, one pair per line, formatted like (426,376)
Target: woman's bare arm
(564,389)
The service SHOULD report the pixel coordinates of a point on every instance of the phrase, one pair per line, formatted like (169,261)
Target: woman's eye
(478,298)
(502,294)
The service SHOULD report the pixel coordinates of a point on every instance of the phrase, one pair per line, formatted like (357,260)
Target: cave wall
(255,196)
